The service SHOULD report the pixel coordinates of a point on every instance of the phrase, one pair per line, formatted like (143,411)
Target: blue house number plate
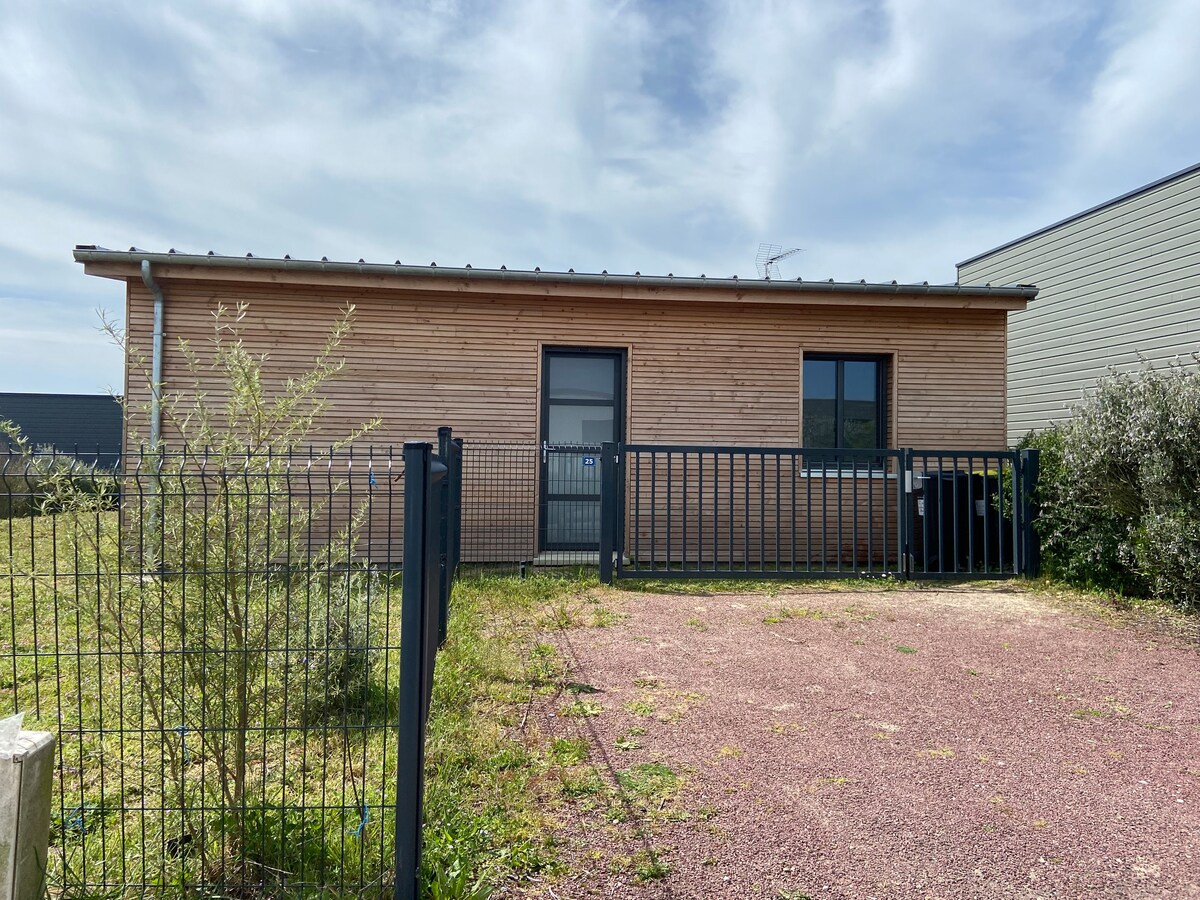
(589,460)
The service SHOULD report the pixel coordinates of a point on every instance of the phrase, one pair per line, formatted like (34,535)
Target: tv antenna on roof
(768,258)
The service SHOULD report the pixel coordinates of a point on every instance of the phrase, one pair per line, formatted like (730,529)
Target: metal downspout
(154,556)
(156,356)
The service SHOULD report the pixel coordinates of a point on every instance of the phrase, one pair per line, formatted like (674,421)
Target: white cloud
(887,138)
(1141,107)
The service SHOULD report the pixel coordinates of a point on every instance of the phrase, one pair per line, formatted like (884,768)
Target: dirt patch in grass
(969,742)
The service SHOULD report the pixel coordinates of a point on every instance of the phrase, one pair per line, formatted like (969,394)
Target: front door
(583,393)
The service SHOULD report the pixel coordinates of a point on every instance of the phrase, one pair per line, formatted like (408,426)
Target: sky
(889,139)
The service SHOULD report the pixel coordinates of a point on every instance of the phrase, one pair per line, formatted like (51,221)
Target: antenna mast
(768,259)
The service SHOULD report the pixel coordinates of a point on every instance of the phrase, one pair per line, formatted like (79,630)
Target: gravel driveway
(953,743)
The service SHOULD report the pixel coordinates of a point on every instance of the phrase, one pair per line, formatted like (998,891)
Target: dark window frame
(882,367)
(620,354)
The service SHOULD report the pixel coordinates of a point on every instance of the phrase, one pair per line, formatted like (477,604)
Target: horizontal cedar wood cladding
(723,371)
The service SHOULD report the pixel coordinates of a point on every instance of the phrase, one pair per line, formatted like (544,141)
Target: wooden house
(543,366)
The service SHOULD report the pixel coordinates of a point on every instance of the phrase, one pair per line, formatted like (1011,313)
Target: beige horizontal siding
(1116,285)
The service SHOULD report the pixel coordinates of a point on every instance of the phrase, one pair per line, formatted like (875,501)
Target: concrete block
(26,787)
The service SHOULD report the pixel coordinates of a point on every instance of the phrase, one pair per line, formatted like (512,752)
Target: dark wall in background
(88,426)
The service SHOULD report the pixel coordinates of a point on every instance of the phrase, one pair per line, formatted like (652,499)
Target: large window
(845,401)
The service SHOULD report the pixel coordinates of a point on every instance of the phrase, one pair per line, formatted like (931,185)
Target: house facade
(1118,283)
(563,361)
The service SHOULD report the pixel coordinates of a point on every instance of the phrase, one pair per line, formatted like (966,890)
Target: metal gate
(676,511)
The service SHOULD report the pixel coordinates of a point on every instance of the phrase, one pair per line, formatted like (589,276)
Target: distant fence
(674,511)
(88,427)
(217,641)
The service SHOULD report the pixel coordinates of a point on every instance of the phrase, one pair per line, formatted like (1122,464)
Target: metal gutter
(1145,188)
(93,254)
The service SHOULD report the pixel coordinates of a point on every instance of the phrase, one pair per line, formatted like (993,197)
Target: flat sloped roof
(118,263)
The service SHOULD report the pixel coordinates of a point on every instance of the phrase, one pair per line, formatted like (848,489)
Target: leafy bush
(1081,540)
(29,476)
(1119,492)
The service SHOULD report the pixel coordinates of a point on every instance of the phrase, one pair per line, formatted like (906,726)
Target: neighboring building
(542,359)
(86,426)
(1117,282)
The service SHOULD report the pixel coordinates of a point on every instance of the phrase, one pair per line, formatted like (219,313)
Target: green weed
(582,784)
(568,751)
(581,709)
(602,617)
(649,781)
(784,613)
(648,865)
(629,740)
(644,707)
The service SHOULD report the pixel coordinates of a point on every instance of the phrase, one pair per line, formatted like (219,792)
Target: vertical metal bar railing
(609,512)
(668,558)
(853,512)
(1030,463)
(778,514)
(939,521)
(443,501)
(684,512)
(729,534)
(808,530)
(904,514)
(653,508)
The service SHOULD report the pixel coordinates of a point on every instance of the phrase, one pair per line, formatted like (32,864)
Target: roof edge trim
(85,253)
(1128,195)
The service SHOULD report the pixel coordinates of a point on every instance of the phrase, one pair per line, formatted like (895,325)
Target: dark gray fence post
(905,518)
(445,502)
(1031,551)
(410,755)
(609,509)
(456,480)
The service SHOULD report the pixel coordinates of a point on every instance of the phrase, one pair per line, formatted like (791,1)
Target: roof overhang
(450,282)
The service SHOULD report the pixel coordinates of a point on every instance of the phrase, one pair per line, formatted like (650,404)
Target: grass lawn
(141,798)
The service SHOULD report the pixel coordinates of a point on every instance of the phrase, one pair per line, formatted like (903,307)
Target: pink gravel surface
(905,743)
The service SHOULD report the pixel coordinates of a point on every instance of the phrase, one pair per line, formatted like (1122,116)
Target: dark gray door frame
(620,356)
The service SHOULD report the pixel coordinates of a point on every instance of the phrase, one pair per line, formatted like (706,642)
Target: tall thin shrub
(243,593)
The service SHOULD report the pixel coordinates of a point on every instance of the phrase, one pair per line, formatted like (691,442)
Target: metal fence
(673,511)
(215,638)
(971,513)
(239,674)
(500,507)
(527,505)
(432,525)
